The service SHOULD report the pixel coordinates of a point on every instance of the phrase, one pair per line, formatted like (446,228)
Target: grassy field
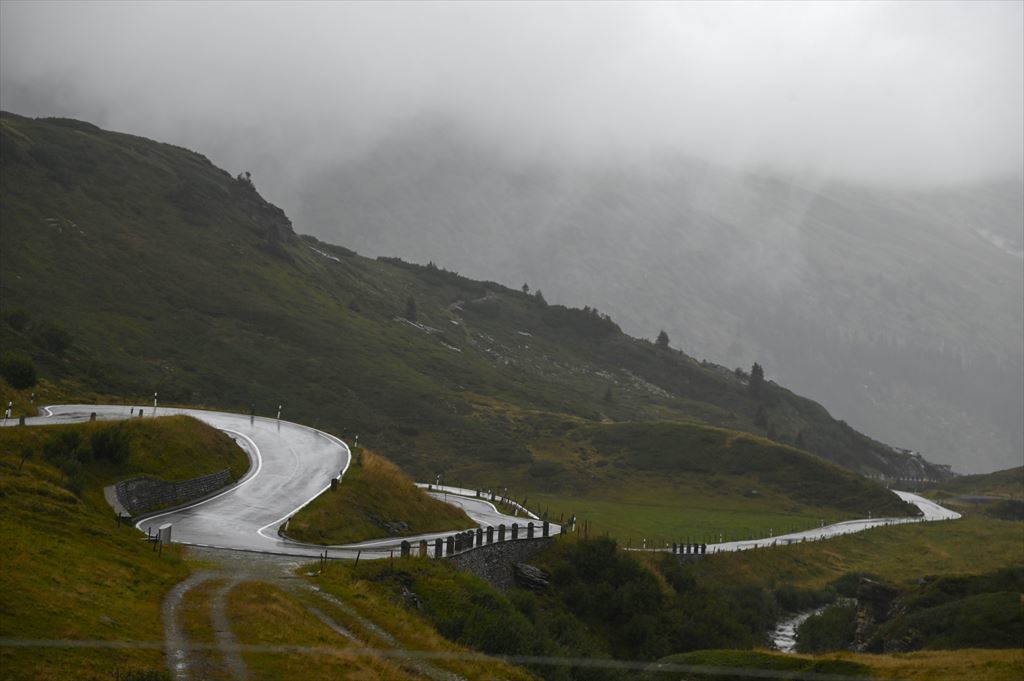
(266,615)
(895,554)
(671,481)
(373,492)
(960,665)
(660,513)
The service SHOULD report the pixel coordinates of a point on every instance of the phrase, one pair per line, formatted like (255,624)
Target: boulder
(530,577)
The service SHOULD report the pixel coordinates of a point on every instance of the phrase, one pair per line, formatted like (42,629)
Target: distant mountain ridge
(165,273)
(903,311)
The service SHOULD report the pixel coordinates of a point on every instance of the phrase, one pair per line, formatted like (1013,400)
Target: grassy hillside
(92,455)
(962,665)
(996,495)
(677,480)
(1008,484)
(72,577)
(937,613)
(896,554)
(604,604)
(900,309)
(69,571)
(374,500)
(130,266)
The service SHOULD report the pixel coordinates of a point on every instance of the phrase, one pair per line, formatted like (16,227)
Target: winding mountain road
(930,511)
(293,464)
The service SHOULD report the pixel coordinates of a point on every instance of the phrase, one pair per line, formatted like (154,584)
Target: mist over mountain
(832,189)
(900,310)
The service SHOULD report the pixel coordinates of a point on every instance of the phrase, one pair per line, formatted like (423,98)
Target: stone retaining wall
(144,493)
(493,562)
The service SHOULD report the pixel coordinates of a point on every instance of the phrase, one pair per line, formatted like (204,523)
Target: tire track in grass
(417,666)
(177,644)
(226,641)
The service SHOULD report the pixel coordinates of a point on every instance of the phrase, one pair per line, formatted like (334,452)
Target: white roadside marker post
(154,404)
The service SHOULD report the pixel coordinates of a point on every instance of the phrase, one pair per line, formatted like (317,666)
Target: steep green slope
(70,572)
(998,495)
(1006,484)
(376,500)
(130,266)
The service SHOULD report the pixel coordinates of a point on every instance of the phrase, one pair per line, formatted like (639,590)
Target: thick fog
(831,189)
(901,92)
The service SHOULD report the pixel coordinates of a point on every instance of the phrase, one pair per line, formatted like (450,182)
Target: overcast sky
(913,91)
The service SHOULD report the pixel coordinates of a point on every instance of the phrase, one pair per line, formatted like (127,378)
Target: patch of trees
(756,381)
(611,593)
(588,322)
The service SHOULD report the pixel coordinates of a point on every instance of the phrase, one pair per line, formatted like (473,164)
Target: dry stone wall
(145,493)
(494,563)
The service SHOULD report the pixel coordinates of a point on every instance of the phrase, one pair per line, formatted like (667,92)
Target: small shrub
(831,630)
(110,444)
(53,338)
(18,370)
(545,469)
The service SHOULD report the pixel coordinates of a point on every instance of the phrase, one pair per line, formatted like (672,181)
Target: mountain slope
(900,310)
(130,266)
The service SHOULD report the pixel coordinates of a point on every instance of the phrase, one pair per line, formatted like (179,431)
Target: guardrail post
(449,545)
(501,532)
(479,537)
(490,535)
(545,529)
(405,548)
(438,548)
(423,548)
(529,530)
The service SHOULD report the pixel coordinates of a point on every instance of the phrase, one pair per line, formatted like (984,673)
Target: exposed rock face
(530,577)
(396,527)
(410,599)
(878,603)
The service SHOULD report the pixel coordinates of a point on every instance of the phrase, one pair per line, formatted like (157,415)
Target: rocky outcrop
(877,604)
(529,577)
